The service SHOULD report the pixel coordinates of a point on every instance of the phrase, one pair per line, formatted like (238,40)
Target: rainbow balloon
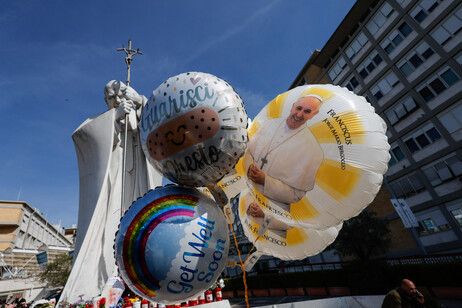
(168,244)
(156,212)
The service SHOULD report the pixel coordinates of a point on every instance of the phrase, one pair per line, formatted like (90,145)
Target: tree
(57,272)
(363,235)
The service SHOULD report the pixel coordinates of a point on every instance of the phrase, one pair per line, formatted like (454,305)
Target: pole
(128,60)
(123,166)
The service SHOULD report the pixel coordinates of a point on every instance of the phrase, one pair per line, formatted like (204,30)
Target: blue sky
(57,55)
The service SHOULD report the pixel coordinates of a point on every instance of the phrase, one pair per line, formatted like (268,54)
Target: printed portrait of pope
(283,155)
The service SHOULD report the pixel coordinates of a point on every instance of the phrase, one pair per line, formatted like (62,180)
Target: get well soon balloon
(172,244)
(193,128)
(316,156)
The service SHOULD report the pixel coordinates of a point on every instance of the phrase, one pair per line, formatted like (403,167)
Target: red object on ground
(218,294)
(193,302)
(144,303)
(208,296)
(202,299)
(128,304)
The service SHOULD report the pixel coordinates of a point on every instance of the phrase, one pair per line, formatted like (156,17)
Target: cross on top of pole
(128,59)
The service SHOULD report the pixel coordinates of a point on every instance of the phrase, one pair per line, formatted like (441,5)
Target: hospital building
(405,57)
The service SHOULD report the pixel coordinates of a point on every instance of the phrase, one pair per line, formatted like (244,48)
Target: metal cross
(128,59)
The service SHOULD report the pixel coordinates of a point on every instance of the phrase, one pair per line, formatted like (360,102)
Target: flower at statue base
(102,302)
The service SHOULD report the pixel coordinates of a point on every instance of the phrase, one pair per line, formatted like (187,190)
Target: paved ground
(239,302)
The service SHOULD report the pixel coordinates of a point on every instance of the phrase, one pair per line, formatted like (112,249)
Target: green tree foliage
(363,236)
(57,272)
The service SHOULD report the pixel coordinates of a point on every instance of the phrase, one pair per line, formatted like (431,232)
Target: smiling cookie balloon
(193,128)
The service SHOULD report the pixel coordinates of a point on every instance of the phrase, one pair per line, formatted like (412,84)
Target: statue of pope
(99,143)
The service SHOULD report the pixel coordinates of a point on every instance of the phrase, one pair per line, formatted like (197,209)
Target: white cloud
(257,14)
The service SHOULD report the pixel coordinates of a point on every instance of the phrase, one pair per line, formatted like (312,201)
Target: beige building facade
(24,227)
(25,233)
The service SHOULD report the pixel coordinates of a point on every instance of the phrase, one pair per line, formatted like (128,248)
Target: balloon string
(241,265)
(248,255)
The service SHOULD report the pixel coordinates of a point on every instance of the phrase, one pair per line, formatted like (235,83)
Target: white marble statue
(99,143)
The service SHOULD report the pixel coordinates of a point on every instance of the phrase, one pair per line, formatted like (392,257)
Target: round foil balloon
(281,240)
(172,244)
(316,156)
(193,128)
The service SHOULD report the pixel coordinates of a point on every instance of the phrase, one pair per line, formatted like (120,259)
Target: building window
(396,155)
(385,85)
(337,68)
(379,18)
(396,37)
(356,45)
(437,84)
(448,28)
(429,226)
(432,222)
(302,82)
(368,65)
(351,83)
(422,138)
(443,171)
(457,214)
(407,186)
(401,109)
(459,58)
(414,59)
(452,119)
(423,9)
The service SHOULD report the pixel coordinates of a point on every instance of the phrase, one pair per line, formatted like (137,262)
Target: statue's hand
(123,109)
(130,94)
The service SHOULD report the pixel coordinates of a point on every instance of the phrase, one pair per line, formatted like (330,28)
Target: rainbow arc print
(139,230)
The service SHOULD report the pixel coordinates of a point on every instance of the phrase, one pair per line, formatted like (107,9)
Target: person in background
(404,296)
